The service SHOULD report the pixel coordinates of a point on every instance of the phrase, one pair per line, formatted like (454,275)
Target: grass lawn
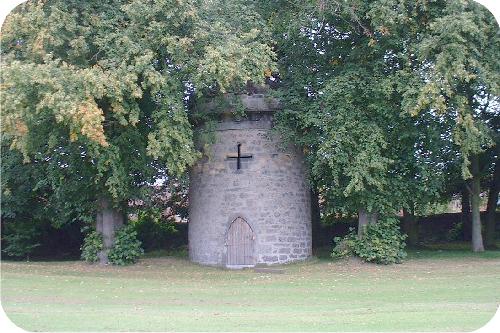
(434,290)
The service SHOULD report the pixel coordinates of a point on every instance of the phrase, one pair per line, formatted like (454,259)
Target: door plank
(240,243)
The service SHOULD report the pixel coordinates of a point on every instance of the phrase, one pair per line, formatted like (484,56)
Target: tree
(491,206)
(383,96)
(460,75)
(96,91)
(344,75)
(387,96)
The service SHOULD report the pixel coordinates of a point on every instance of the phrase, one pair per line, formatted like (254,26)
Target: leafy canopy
(375,92)
(94,92)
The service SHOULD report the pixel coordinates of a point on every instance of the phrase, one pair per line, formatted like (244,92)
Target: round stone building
(249,199)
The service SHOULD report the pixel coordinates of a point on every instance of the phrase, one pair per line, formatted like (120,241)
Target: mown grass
(434,290)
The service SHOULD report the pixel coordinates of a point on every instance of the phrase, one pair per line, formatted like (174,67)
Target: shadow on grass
(179,253)
(455,250)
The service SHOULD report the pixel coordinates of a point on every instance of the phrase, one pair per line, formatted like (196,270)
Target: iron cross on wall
(239,157)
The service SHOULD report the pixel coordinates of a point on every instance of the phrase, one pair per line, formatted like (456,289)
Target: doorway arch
(240,242)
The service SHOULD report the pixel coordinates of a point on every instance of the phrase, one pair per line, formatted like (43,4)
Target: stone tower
(249,199)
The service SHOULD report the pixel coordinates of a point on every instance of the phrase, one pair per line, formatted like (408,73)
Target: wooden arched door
(240,244)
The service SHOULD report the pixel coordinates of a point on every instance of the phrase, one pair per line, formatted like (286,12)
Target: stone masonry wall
(270,192)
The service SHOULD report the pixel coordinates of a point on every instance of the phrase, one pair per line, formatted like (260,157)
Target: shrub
(92,244)
(382,243)
(455,233)
(153,231)
(344,246)
(20,239)
(127,248)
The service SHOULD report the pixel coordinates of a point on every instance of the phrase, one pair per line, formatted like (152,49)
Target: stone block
(270,259)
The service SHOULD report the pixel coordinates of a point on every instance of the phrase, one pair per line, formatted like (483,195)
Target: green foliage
(153,230)
(455,233)
(382,243)
(36,191)
(19,238)
(205,136)
(433,208)
(208,113)
(126,248)
(460,75)
(345,246)
(92,245)
(237,107)
(387,98)
(344,74)
(93,93)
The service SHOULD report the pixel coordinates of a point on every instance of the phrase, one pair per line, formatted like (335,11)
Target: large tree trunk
(108,220)
(475,188)
(362,221)
(466,218)
(315,219)
(365,218)
(492,206)
(410,227)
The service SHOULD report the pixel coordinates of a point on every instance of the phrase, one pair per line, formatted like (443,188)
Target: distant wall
(435,228)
